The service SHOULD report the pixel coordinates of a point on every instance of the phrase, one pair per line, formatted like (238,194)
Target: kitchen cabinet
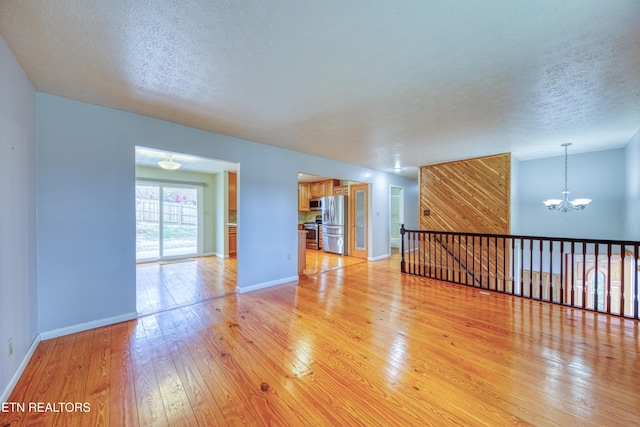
(232,240)
(304,194)
(341,191)
(302,250)
(329,186)
(315,190)
(232,188)
(318,189)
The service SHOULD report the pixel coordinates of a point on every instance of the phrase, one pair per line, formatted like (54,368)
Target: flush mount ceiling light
(168,163)
(564,204)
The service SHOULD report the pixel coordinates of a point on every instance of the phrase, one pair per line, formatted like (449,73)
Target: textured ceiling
(375,83)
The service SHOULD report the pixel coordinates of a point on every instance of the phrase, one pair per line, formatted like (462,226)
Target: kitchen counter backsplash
(307,216)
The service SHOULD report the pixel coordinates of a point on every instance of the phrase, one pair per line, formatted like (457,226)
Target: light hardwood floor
(165,286)
(161,287)
(356,345)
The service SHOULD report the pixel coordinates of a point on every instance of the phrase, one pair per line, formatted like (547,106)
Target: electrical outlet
(427,212)
(10,350)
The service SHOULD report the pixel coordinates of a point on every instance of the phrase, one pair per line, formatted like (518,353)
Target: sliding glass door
(168,220)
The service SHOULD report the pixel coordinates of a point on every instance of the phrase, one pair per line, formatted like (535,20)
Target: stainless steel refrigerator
(334,224)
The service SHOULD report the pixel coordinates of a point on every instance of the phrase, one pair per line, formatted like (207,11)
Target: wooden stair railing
(598,275)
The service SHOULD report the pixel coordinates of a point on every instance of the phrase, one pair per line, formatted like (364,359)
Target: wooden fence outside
(173,213)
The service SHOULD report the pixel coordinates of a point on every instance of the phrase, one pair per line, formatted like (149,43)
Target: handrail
(593,274)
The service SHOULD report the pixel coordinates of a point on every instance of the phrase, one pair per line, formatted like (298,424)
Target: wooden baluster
(635,282)
(446,256)
(504,265)
(623,250)
(480,262)
(608,290)
(521,287)
(584,274)
(540,291)
(430,257)
(466,259)
(573,255)
(440,256)
(402,232)
(562,278)
(411,253)
(595,276)
(459,259)
(513,266)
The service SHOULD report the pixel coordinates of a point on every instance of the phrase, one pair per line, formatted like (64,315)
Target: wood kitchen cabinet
(304,194)
(232,240)
(233,191)
(329,186)
(318,189)
(341,191)
(315,190)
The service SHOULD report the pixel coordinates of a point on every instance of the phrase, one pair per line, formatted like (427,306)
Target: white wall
(632,199)
(87,256)
(18,309)
(597,175)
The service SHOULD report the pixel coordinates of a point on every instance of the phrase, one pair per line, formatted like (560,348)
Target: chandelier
(564,204)
(168,163)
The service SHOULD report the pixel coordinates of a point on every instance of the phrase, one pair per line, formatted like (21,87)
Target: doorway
(183,223)
(396,217)
(359,218)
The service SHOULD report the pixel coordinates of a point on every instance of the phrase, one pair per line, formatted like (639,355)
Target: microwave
(315,204)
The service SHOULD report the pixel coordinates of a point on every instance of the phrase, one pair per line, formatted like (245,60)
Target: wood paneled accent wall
(467,195)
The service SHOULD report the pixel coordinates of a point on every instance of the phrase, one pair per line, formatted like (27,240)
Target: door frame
(358,253)
(400,210)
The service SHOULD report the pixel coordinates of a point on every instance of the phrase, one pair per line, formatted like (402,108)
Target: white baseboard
(378,258)
(219,255)
(88,325)
(209,254)
(16,376)
(267,284)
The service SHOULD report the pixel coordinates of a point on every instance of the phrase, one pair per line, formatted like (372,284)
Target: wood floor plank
(28,384)
(176,404)
(95,409)
(173,285)
(266,374)
(73,391)
(348,359)
(243,378)
(177,335)
(229,396)
(352,344)
(123,409)
(149,402)
(51,385)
